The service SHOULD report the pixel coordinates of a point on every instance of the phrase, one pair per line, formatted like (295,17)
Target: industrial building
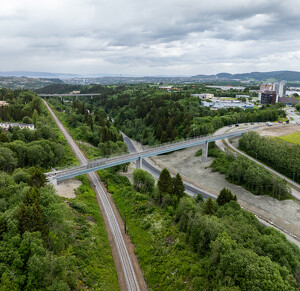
(204,95)
(227,104)
(288,100)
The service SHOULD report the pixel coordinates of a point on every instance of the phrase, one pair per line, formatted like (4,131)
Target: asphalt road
(194,191)
(126,264)
(292,114)
(295,186)
(147,166)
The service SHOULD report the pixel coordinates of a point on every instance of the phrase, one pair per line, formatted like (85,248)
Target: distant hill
(258,76)
(30,74)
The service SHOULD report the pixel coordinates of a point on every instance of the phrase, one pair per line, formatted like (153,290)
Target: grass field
(292,138)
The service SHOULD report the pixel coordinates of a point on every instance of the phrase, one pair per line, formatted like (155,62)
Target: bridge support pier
(139,163)
(204,152)
(53,181)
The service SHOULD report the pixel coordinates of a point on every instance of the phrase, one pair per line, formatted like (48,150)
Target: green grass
(97,269)
(167,262)
(92,248)
(90,152)
(291,138)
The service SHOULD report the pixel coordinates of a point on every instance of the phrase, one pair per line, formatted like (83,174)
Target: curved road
(194,191)
(126,264)
(295,186)
(189,188)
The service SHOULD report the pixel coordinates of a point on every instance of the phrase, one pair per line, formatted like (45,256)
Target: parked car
(236,125)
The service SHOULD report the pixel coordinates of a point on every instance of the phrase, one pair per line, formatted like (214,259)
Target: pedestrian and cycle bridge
(99,164)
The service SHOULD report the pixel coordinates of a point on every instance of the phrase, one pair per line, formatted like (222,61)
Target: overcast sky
(150,37)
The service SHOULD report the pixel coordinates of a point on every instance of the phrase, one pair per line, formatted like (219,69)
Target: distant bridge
(70,95)
(99,164)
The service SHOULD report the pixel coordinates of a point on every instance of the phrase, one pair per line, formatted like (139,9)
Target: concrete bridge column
(139,163)
(53,181)
(204,152)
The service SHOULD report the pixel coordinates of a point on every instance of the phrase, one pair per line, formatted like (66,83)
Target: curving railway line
(125,260)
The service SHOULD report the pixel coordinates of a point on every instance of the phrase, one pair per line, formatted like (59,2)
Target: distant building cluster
(273,93)
(204,95)
(272,90)
(227,104)
(6,125)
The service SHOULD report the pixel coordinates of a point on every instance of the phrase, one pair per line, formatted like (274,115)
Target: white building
(227,104)
(7,125)
(204,95)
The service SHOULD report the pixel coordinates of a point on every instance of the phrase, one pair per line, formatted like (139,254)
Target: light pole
(256,155)
(293,176)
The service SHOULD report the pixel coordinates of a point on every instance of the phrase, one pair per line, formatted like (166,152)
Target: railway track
(125,260)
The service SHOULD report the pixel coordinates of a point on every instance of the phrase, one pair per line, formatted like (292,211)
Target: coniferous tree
(38,178)
(165,184)
(30,214)
(209,207)
(178,187)
(225,196)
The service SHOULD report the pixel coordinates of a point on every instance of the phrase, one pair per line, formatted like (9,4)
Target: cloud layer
(135,37)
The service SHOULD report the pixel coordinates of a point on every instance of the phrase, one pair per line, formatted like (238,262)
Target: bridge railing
(102,161)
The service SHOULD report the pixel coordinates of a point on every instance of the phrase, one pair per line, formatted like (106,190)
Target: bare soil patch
(278,130)
(67,188)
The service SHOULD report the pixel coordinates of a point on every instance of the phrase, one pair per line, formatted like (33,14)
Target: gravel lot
(67,188)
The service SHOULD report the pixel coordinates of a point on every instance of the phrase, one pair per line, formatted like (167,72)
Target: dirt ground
(67,188)
(278,130)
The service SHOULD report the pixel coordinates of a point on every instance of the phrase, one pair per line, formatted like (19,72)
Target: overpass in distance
(69,95)
(99,164)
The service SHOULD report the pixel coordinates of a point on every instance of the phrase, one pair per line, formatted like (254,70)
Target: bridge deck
(104,163)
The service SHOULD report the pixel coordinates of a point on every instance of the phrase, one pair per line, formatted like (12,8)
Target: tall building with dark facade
(268,97)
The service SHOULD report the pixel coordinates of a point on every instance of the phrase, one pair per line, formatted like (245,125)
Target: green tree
(209,207)
(35,116)
(37,179)
(143,181)
(165,184)
(4,137)
(30,215)
(178,188)
(225,196)
(199,198)
(7,159)
(36,155)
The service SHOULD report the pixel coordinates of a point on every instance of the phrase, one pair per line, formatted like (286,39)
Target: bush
(79,206)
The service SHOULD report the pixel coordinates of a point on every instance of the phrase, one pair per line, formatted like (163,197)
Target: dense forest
(46,242)
(43,146)
(151,116)
(161,117)
(282,156)
(184,243)
(90,124)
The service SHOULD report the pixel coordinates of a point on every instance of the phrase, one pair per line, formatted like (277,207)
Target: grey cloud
(206,35)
